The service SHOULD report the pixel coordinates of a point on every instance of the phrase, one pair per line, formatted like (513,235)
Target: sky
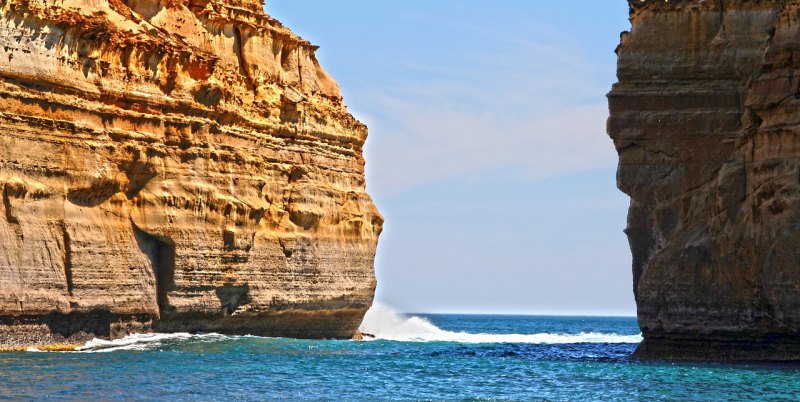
(487,153)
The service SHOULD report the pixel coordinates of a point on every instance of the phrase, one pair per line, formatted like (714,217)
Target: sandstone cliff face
(705,120)
(178,166)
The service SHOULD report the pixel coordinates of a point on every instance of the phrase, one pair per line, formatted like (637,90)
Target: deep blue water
(477,365)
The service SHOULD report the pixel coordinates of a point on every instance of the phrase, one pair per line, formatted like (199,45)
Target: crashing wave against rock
(177,166)
(705,121)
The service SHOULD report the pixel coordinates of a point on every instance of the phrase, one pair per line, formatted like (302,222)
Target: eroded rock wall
(177,165)
(705,120)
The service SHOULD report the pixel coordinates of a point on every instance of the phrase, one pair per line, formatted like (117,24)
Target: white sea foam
(381,321)
(385,323)
(140,342)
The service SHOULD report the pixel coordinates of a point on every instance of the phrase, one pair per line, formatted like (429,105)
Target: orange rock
(177,166)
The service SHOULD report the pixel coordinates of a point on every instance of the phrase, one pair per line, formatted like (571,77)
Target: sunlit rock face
(706,120)
(175,166)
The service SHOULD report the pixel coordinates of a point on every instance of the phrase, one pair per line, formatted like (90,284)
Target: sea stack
(706,120)
(175,166)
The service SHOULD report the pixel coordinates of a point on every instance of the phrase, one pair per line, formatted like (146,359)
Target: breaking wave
(387,324)
(381,321)
(139,342)
(142,341)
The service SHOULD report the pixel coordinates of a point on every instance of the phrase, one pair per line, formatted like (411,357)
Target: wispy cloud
(529,109)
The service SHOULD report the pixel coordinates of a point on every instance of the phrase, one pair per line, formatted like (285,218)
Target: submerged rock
(175,166)
(705,121)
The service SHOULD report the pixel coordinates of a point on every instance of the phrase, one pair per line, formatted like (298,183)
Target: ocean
(413,357)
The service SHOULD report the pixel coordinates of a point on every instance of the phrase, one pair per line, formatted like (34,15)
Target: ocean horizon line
(523,314)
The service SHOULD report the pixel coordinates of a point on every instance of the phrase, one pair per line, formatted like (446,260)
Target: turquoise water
(432,357)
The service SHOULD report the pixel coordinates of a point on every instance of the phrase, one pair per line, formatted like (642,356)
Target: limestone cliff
(176,165)
(705,120)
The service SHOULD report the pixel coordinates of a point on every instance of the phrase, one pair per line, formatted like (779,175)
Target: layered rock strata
(175,165)
(706,120)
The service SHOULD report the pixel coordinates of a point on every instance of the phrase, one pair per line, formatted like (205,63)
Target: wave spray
(385,323)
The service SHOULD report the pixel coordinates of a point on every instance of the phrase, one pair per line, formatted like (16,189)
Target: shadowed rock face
(706,120)
(178,166)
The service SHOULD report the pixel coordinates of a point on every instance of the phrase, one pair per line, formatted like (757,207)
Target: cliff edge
(175,165)
(705,120)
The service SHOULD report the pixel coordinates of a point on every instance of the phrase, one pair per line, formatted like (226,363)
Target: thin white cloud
(448,94)
(442,145)
(526,115)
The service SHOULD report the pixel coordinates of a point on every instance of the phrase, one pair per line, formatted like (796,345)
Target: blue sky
(487,151)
